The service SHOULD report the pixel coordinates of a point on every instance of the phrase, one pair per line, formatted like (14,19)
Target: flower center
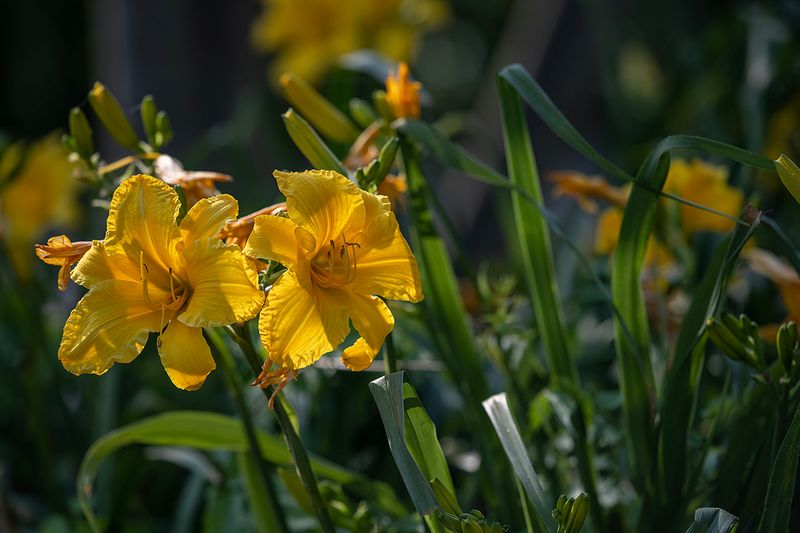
(335,265)
(178,292)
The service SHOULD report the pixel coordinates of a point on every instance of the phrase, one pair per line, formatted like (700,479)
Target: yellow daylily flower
(151,274)
(42,194)
(62,252)
(402,94)
(341,246)
(704,184)
(310,35)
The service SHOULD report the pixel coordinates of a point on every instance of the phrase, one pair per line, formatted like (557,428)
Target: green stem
(389,355)
(292,438)
(266,471)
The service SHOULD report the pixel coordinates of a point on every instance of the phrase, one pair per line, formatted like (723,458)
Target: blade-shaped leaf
(388,394)
(782,480)
(713,520)
(265,520)
(422,441)
(534,237)
(682,381)
(502,420)
(208,431)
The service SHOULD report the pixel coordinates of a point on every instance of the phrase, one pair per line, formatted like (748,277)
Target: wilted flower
(781,274)
(196,185)
(585,189)
(238,231)
(151,274)
(60,251)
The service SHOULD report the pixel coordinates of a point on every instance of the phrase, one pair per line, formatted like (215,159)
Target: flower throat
(337,266)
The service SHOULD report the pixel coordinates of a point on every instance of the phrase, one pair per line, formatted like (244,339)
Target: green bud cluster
(570,513)
(786,343)
(471,522)
(738,339)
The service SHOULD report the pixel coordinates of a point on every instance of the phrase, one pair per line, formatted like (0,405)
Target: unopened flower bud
(81,133)
(110,113)
(326,118)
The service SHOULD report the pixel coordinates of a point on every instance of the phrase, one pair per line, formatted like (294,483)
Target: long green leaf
(206,431)
(265,521)
(782,480)
(682,381)
(447,314)
(456,158)
(505,427)
(450,154)
(388,394)
(713,520)
(536,250)
(533,236)
(534,95)
(637,383)
(422,441)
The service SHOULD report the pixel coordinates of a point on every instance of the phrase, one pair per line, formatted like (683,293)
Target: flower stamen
(279,377)
(340,267)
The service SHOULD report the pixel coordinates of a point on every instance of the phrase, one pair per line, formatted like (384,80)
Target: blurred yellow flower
(394,187)
(151,274)
(42,194)
(402,94)
(783,130)
(310,35)
(341,246)
(781,274)
(585,189)
(62,252)
(657,256)
(705,184)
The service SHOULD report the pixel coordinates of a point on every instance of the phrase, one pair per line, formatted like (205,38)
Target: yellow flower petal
(97,265)
(224,285)
(142,217)
(705,184)
(374,321)
(207,217)
(109,325)
(273,238)
(300,322)
(607,233)
(385,264)
(185,355)
(323,202)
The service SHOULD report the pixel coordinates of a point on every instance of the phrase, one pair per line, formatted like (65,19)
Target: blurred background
(626,73)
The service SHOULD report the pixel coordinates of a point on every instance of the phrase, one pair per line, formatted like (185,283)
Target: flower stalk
(296,447)
(265,470)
